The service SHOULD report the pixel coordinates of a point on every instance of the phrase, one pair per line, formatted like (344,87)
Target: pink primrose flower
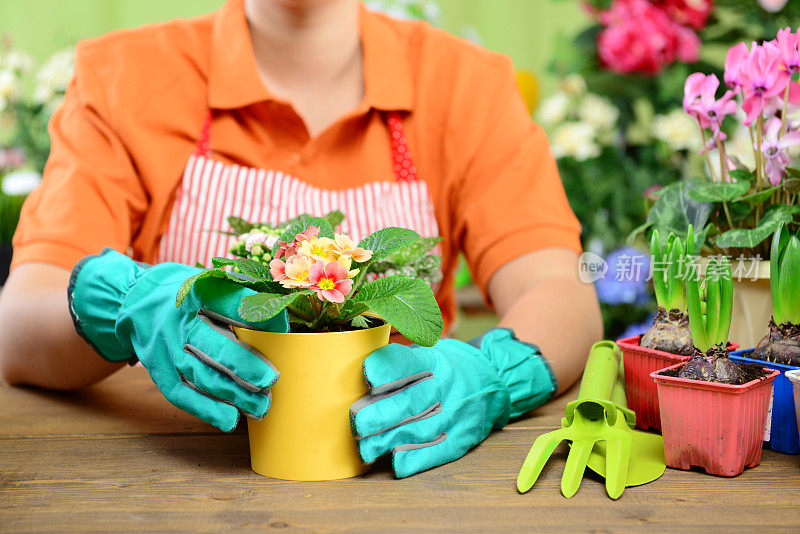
(277,269)
(330,281)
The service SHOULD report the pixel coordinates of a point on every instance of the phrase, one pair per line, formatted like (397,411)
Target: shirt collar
(234,82)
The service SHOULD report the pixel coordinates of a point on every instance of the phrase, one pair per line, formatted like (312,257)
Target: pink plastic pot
(640,388)
(718,427)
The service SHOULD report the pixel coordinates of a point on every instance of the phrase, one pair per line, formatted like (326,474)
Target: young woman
(269,108)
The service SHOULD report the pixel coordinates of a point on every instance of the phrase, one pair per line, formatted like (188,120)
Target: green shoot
(785,276)
(667,280)
(710,302)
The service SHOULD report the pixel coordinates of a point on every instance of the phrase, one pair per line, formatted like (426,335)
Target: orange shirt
(137,103)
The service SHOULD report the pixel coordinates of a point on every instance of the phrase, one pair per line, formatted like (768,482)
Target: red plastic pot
(640,388)
(718,427)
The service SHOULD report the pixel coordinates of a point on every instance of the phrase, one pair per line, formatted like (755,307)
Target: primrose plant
(782,343)
(319,278)
(670,329)
(710,303)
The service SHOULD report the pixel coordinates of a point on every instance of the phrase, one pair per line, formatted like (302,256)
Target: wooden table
(118,457)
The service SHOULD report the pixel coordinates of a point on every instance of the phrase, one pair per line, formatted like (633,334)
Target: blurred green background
(523,29)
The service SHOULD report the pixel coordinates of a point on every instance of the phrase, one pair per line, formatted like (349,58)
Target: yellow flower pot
(306,433)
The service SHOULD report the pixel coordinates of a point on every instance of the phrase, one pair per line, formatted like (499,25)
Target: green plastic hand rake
(599,426)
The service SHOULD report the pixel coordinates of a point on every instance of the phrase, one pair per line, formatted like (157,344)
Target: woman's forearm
(38,343)
(562,317)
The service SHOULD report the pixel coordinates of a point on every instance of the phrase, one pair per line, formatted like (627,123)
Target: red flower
(692,13)
(639,36)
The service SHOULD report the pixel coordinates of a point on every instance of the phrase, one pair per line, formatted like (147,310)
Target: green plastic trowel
(599,426)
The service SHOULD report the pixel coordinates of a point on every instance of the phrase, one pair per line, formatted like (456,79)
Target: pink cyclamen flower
(789,45)
(733,61)
(774,148)
(762,79)
(330,282)
(699,101)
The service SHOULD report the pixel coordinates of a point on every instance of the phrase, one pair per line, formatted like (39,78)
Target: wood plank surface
(119,457)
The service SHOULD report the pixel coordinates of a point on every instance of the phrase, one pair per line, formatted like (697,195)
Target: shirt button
(294,158)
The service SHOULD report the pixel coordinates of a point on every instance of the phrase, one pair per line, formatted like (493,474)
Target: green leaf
(222,262)
(239,225)
(713,301)
(751,237)
(760,196)
(659,285)
(388,240)
(406,303)
(674,210)
(742,175)
(740,210)
(726,302)
(790,281)
(252,268)
(186,287)
(719,192)
(779,241)
(334,218)
(263,306)
(359,321)
(414,251)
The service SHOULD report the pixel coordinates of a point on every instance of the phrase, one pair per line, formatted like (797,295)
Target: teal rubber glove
(126,310)
(430,405)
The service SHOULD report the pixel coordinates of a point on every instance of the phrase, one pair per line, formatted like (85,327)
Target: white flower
(53,77)
(574,84)
(598,111)
(9,87)
(21,182)
(17,61)
(553,110)
(740,146)
(677,130)
(773,6)
(575,139)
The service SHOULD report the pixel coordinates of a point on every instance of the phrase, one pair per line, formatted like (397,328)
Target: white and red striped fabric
(211,191)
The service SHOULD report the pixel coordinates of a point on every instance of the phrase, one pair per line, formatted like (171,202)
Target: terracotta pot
(640,388)
(719,427)
(306,433)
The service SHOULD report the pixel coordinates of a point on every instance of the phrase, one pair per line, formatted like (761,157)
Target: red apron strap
(402,164)
(203,146)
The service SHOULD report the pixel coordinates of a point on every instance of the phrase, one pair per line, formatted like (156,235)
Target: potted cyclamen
(746,194)
(781,346)
(337,318)
(668,340)
(713,410)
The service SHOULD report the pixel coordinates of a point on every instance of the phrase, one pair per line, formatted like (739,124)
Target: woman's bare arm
(38,343)
(541,298)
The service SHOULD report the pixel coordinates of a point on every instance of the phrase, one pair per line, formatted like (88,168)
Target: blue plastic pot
(783,431)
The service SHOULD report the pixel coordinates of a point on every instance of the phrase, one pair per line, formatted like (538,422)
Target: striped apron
(211,191)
